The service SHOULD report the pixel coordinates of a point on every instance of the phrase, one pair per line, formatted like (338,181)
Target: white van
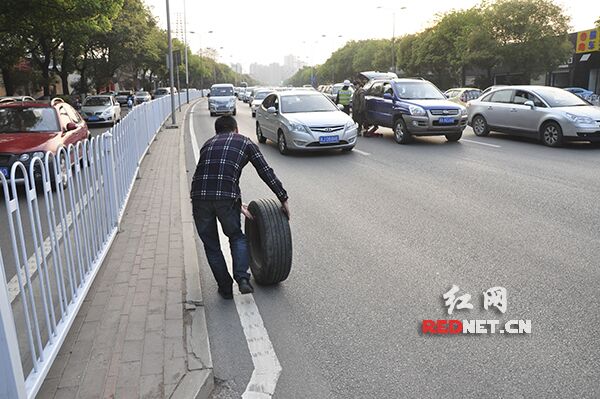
(221,99)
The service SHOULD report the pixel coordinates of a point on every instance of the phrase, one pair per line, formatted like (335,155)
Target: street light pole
(173,120)
(393,41)
(187,78)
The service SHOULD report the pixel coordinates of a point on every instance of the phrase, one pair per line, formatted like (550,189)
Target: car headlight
(350,125)
(107,112)
(416,110)
(24,157)
(299,127)
(586,120)
(463,111)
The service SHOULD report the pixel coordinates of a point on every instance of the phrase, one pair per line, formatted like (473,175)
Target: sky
(265,31)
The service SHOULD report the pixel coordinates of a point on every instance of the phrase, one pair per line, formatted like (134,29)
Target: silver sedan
(549,114)
(304,120)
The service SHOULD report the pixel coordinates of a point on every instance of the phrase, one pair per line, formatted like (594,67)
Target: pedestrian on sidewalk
(216,195)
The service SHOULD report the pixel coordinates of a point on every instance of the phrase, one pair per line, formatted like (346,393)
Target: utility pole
(187,78)
(173,119)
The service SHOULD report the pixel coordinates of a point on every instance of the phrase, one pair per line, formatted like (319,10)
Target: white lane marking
(480,143)
(362,152)
(195,148)
(266,364)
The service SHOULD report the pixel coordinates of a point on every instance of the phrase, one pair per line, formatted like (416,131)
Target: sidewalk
(139,333)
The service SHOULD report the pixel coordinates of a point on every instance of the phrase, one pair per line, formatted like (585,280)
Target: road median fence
(61,215)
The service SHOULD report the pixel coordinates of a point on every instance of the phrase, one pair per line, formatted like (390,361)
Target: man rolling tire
(216,195)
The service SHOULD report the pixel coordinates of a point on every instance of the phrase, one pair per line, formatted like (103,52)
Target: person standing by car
(359,107)
(344,96)
(216,196)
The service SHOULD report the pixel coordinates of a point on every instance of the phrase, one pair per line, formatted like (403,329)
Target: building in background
(274,74)
(583,68)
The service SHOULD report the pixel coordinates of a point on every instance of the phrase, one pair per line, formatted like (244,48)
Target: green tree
(12,49)
(532,35)
(43,25)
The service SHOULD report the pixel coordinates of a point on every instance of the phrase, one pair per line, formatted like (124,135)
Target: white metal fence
(62,215)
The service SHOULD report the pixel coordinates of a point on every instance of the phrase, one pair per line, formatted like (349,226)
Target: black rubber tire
(269,241)
(454,136)
(234,112)
(401,134)
(281,144)
(551,134)
(480,126)
(259,136)
(254,114)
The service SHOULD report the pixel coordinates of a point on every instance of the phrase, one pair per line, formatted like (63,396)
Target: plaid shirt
(222,159)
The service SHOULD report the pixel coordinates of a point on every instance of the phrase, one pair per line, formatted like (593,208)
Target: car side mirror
(71,126)
(530,104)
(272,110)
(341,107)
(387,96)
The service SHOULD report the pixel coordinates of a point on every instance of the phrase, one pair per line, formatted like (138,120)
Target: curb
(198,382)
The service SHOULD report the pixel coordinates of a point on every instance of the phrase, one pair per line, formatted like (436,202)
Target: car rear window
(28,120)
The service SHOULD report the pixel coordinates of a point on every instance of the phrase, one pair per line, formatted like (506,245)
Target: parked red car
(30,128)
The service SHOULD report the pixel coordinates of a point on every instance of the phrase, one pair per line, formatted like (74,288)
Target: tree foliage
(528,37)
(105,41)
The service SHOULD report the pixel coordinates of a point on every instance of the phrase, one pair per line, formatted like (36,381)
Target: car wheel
(269,241)
(454,136)
(254,114)
(281,144)
(480,126)
(401,134)
(552,134)
(259,136)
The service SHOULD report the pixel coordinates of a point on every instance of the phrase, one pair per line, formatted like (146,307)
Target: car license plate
(4,171)
(329,139)
(446,121)
(93,118)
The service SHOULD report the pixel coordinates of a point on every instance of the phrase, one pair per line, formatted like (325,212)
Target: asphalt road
(381,234)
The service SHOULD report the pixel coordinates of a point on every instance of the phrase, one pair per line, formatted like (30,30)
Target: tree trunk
(8,83)
(64,70)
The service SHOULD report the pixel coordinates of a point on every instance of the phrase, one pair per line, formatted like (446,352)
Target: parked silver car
(142,97)
(304,120)
(101,109)
(549,114)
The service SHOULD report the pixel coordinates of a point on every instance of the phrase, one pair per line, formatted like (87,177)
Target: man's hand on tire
(285,208)
(246,212)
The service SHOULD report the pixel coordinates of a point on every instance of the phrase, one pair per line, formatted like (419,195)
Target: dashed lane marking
(480,143)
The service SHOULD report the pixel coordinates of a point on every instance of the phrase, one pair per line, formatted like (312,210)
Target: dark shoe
(245,286)
(226,294)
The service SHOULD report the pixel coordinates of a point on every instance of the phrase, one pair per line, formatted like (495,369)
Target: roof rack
(16,99)
(56,100)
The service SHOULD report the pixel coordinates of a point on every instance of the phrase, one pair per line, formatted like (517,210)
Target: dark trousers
(228,213)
